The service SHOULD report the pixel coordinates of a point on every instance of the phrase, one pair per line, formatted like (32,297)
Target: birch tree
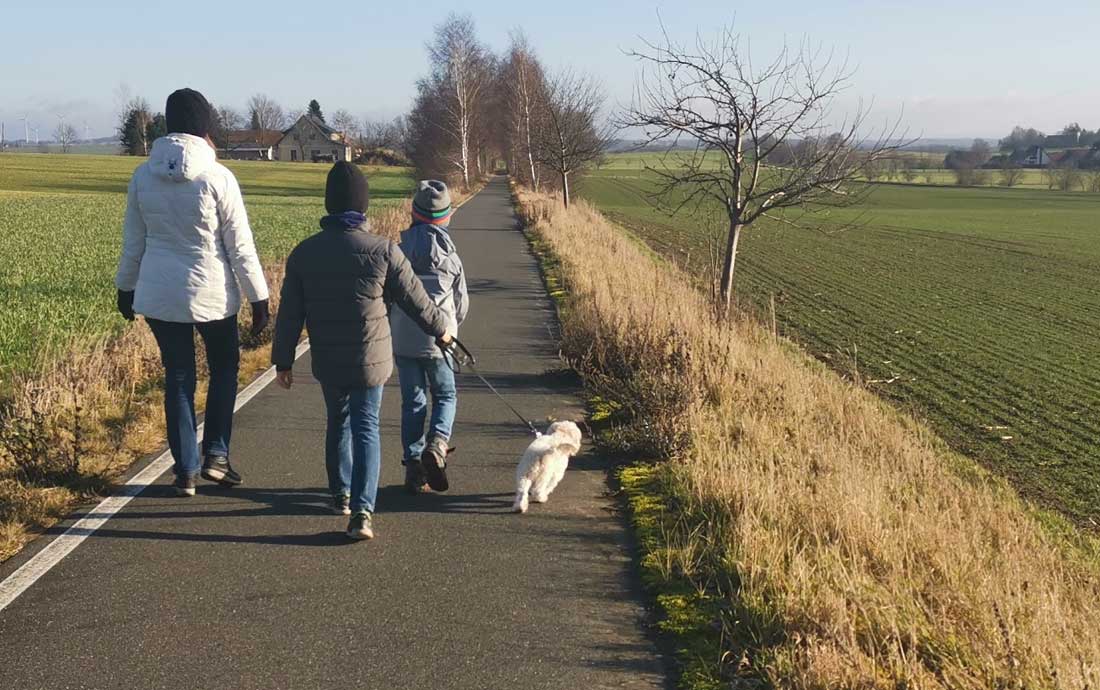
(524,85)
(459,76)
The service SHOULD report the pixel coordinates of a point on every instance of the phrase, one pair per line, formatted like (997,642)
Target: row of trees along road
(475,107)
(756,139)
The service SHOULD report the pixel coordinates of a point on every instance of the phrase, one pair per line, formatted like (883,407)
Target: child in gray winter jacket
(421,365)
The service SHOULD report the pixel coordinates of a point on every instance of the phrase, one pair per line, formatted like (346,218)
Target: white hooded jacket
(185,239)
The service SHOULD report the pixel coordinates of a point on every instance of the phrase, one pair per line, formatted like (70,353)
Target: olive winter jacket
(340,284)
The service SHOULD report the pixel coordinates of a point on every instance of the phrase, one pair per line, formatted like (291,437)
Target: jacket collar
(345,222)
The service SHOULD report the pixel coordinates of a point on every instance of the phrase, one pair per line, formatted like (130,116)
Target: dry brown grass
(72,428)
(852,547)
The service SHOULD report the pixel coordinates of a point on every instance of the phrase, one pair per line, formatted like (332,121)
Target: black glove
(261,314)
(126,304)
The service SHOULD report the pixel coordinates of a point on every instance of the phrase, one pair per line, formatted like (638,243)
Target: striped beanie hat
(432,203)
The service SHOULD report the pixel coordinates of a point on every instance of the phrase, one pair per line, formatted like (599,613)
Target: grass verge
(801,532)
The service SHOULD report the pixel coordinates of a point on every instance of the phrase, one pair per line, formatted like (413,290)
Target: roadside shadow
(327,538)
(239,502)
(269,502)
(394,499)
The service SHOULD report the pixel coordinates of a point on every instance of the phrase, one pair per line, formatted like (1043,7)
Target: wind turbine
(26,130)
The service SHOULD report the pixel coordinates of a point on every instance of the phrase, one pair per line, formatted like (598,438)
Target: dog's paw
(519,508)
(540,498)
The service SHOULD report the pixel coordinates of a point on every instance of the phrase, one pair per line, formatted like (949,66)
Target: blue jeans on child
(177,353)
(353,445)
(419,376)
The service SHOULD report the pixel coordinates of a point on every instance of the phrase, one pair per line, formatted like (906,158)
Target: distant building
(1084,159)
(311,139)
(248,152)
(251,145)
(1034,157)
(1062,141)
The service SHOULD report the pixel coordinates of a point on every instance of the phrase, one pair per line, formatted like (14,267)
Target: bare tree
(345,123)
(265,115)
(229,120)
(572,138)
(398,135)
(1066,177)
(908,170)
(348,126)
(459,75)
(65,134)
(736,113)
(1094,180)
(1011,172)
(375,134)
(524,83)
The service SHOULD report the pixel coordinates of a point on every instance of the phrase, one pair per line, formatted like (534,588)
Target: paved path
(257,587)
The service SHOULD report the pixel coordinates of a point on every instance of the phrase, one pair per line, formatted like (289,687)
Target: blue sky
(954,71)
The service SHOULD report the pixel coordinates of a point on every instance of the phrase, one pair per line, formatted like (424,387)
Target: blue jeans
(419,376)
(177,353)
(353,444)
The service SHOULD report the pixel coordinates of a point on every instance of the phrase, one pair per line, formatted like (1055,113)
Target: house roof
(252,137)
(316,122)
(1074,156)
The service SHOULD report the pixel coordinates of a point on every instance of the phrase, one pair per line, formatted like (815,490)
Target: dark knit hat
(432,202)
(188,112)
(346,189)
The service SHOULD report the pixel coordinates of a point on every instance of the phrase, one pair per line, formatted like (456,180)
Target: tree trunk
(565,188)
(728,265)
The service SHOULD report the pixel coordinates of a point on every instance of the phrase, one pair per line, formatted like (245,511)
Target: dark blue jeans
(353,443)
(177,353)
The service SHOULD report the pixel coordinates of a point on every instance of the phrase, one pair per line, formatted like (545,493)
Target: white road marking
(39,564)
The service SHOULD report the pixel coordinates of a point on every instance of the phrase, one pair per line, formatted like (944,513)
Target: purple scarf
(347,220)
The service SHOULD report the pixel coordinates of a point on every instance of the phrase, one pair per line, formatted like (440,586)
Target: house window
(293,155)
(336,155)
(316,153)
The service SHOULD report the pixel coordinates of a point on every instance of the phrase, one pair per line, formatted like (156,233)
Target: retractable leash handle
(456,347)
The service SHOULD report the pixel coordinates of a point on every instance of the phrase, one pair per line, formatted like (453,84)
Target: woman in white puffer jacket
(186,246)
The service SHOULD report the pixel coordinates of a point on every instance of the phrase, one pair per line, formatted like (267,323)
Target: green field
(975,307)
(929,170)
(61,224)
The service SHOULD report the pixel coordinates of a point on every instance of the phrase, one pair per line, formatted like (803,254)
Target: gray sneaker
(360,526)
(341,504)
(184,485)
(217,469)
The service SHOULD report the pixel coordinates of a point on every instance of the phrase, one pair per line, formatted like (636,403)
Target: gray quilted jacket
(339,283)
(434,258)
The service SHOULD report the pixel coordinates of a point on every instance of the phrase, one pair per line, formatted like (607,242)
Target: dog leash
(457,348)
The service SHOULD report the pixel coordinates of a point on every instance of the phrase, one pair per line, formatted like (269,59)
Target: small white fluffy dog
(543,463)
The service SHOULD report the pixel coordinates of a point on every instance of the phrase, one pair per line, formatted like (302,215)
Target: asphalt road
(257,587)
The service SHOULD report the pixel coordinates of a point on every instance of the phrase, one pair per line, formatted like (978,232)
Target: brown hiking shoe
(434,462)
(415,480)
